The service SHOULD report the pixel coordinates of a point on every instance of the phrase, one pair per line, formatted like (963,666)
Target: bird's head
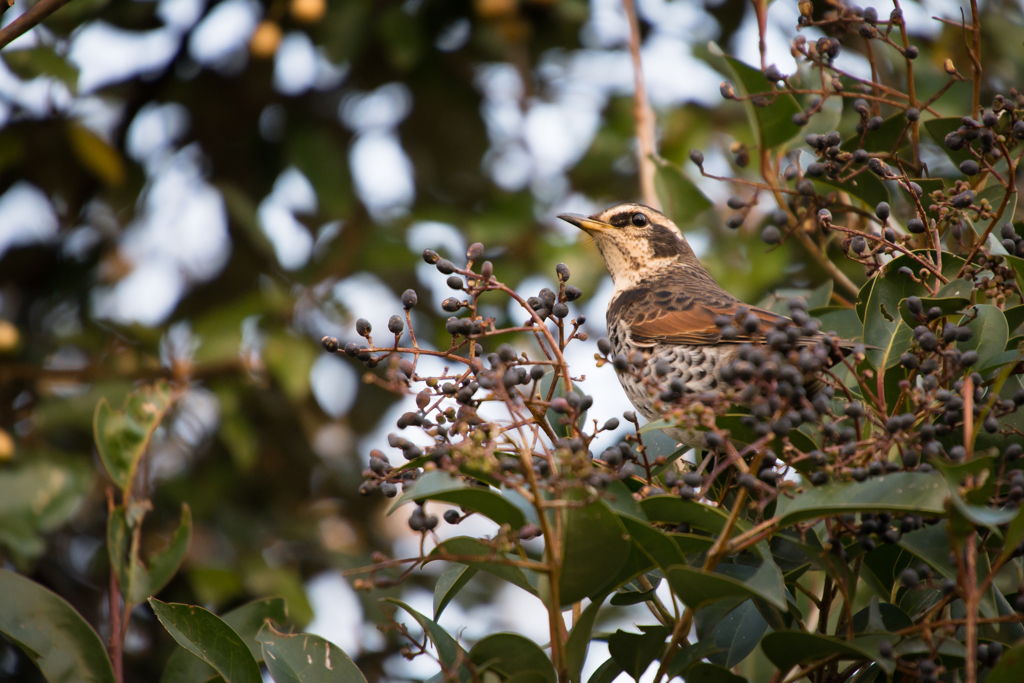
(636,242)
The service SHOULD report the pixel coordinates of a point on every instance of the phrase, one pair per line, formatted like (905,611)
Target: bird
(668,308)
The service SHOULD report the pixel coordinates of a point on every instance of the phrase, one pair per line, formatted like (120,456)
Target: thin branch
(32,17)
(642,113)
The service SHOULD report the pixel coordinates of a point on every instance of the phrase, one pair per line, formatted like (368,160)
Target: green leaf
(1014,535)
(596,547)
(306,658)
(1014,317)
(787,649)
(41,61)
(656,544)
(164,565)
(991,332)
(138,581)
(702,672)
(1009,668)
(624,598)
(883,139)
(821,296)
(697,588)
(553,418)
(681,200)
(38,495)
(900,492)
(448,585)
(892,618)
(51,633)
(246,621)
(607,672)
(841,320)
(995,194)
(773,124)
(441,486)
(948,306)
(865,186)
(931,544)
(208,637)
(1017,263)
(691,655)
(734,634)
(123,435)
(96,155)
(466,547)
(938,129)
(956,288)
(579,639)
(927,185)
(883,326)
(449,651)
(634,652)
(511,654)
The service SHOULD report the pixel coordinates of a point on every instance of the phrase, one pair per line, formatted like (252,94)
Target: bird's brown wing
(695,325)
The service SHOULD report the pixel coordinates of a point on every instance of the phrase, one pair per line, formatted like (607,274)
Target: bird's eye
(639,220)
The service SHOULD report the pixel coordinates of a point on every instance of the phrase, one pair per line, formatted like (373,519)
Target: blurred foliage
(270,478)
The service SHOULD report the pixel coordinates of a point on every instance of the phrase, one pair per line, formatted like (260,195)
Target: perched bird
(668,308)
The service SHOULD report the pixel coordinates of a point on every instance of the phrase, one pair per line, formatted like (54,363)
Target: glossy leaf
(948,306)
(606,673)
(37,496)
(681,200)
(51,633)
(938,129)
(482,557)
(1014,317)
(900,492)
(579,640)
(209,638)
(697,588)
(841,320)
(931,544)
(553,418)
(634,652)
(441,486)
(991,332)
(865,186)
(624,598)
(772,124)
(735,634)
(306,658)
(123,435)
(893,129)
(246,621)
(596,546)
(452,580)
(656,544)
(448,649)
(1009,668)
(511,655)
(96,155)
(787,649)
(138,580)
(702,672)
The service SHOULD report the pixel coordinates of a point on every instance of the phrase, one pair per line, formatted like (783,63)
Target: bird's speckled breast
(697,367)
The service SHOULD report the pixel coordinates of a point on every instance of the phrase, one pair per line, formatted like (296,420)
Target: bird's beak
(584,223)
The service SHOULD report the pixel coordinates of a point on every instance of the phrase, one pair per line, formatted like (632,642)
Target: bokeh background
(205,189)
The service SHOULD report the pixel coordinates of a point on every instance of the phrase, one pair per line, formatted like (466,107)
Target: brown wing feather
(696,325)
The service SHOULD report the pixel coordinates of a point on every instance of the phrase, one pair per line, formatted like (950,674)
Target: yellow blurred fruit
(6,446)
(308,11)
(492,9)
(265,40)
(9,336)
